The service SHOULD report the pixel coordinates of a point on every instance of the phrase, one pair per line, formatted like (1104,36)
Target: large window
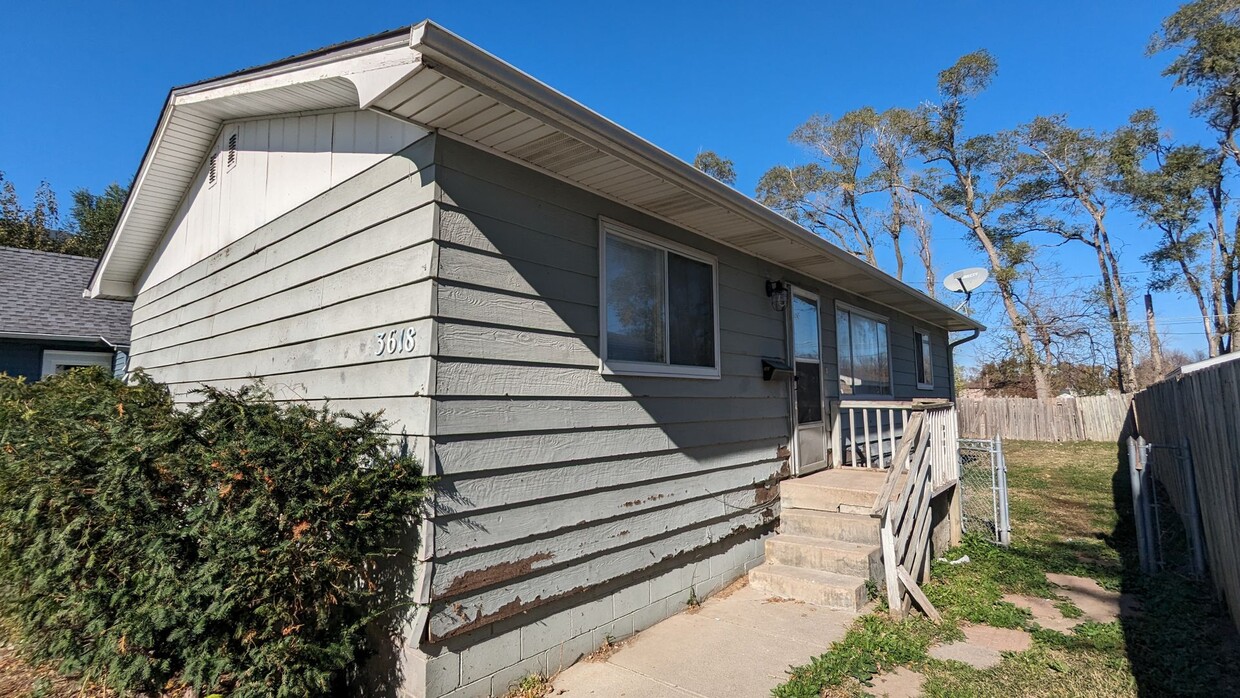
(925,360)
(659,308)
(865,364)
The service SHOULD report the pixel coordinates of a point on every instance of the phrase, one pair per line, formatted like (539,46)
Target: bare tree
(921,227)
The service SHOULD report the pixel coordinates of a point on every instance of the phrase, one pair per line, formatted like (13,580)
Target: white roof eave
(454,57)
(374,68)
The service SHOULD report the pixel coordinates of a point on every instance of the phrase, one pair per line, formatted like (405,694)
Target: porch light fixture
(778,293)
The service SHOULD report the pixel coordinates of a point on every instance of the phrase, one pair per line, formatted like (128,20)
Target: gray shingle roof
(41,293)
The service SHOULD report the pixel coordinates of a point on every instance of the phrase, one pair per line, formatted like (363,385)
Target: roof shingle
(41,294)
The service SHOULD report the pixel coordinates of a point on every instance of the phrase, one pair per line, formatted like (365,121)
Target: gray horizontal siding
(299,301)
(556,478)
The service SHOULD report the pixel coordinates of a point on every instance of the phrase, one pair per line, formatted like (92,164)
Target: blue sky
(84,82)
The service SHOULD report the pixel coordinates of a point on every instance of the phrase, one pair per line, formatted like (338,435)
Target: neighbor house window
(659,311)
(925,363)
(865,363)
(60,361)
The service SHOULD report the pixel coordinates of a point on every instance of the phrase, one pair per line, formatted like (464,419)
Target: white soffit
(434,79)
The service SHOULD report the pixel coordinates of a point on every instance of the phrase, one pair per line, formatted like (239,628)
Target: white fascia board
(386,65)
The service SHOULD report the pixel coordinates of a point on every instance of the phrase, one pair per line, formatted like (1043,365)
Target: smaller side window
(925,361)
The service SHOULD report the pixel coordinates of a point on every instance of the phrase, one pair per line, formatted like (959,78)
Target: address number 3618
(396,341)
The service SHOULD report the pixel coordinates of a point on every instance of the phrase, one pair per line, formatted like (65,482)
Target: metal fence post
(1196,530)
(1140,512)
(1003,522)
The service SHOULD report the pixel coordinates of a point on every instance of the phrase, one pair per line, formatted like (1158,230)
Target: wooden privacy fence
(1094,418)
(1191,424)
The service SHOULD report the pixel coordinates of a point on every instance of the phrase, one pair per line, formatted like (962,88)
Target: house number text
(396,341)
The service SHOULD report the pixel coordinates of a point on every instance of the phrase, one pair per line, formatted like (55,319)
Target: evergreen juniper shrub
(232,545)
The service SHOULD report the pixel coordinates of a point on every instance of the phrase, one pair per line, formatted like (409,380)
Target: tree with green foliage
(716,166)
(1170,186)
(38,227)
(1206,36)
(34,228)
(849,193)
(973,181)
(94,218)
(1069,169)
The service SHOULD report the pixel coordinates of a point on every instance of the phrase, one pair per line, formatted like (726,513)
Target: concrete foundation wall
(491,660)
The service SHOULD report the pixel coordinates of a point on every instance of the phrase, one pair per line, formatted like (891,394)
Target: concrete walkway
(734,646)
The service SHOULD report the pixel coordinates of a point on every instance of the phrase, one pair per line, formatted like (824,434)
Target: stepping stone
(1044,612)
(973,655)
(998,639)
(901,683)
(1099,604)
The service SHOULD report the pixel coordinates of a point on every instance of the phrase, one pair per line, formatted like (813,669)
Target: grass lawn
(1070,512)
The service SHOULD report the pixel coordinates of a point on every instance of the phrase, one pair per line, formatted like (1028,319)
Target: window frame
(610,367)
(75,359)
(891,381)
(927,344)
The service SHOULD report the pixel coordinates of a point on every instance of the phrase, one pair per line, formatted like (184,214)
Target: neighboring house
(47,326)
(589,342)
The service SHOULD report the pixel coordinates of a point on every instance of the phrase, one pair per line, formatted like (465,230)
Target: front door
(810,452)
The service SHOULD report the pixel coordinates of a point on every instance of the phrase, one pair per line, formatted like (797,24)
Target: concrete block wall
(493,659)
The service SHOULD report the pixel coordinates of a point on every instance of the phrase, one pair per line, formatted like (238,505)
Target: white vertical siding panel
(281,164)
(391,134)
(249,180)
(344,142)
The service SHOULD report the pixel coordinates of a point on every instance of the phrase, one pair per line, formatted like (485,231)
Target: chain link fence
(983,488)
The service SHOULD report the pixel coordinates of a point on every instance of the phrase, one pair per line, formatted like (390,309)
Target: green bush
(234,545)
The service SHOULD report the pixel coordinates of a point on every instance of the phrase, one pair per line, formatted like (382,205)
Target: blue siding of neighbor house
(21,359)
(25,358)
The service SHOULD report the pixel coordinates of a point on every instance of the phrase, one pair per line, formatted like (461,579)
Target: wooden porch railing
(866,433)
(925,465)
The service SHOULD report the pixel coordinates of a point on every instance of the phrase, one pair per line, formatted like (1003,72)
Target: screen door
(811,437)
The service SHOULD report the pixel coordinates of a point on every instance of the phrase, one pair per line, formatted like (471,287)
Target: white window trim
(891,372)
(917,347)
(77,358)
(607,227)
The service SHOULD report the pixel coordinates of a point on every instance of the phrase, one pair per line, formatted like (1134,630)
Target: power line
(1053,278)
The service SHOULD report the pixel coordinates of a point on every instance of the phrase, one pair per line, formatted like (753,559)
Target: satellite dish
(965,280)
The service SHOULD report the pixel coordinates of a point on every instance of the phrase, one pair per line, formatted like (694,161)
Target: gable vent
(232,150)
(211,174)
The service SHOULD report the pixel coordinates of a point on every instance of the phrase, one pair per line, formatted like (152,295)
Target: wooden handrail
(905,516)
(913,426)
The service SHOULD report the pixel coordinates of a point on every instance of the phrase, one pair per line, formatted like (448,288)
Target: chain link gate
(983,489)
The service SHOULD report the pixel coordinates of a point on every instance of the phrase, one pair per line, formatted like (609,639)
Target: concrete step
(838,591)
(826,524)
(824,555)
(805,494)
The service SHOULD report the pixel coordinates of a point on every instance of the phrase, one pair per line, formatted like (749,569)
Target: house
(47,326)
(589,342)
